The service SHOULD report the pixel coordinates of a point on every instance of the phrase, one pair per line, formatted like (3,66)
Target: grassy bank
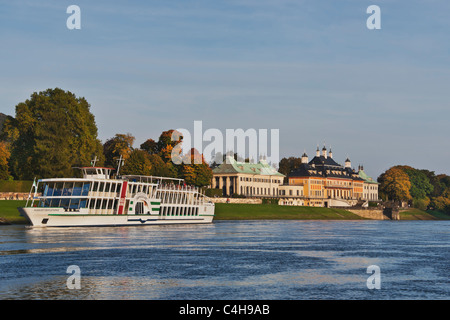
(9,212)
(232,211)
(417,214)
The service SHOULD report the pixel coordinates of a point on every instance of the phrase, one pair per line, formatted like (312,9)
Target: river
(267,260)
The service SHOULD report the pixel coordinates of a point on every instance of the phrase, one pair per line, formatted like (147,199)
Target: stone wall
(374,214)
(237,200)
(13,196)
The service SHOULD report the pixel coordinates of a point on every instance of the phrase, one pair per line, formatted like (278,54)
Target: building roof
(233,166)
(321,161)
(365,177)
(323,167)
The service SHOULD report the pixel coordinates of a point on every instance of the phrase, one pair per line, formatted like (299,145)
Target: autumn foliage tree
(4,157)
(423,188)
(394,185)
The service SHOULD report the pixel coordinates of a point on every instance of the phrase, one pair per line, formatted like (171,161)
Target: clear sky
(310,68)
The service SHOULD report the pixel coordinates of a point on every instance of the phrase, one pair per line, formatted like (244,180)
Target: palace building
(320,182)
(326,183)
(247,179)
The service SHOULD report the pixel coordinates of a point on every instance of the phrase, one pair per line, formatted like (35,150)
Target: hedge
(15,185)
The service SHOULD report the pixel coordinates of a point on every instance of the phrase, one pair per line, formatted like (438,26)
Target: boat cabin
(96,172)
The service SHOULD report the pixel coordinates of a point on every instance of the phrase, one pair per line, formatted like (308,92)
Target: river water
(267,260)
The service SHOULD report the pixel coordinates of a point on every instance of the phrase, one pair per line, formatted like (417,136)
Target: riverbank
(232,211)
(9,213)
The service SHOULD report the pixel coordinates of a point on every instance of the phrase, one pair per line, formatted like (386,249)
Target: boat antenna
(120,163)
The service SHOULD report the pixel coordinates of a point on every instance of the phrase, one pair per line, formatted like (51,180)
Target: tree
(420,183)
(119,145)
(52,132)
(287,165)
(4,157)
(195,170)
(137,163)
(159,167)
(395,184)
(151,146)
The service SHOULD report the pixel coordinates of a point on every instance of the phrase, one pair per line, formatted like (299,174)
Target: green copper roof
(232,166)
(365,177)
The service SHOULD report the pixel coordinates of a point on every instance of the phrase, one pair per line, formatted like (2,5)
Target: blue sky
(309,68)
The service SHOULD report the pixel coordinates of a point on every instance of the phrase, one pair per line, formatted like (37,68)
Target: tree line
(54,131)
(423,189)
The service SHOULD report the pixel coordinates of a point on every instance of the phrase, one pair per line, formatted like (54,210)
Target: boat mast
(120,163)
(94,161)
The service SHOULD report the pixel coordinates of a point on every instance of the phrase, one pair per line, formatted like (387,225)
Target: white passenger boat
(96,199)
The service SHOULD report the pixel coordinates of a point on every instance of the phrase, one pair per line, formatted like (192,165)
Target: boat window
(101,187)
(95,187)
(74,203)
(98,202)
(83,203)
(85,190)
(68,188)
(55,203)
(48,189)
(64,203)
(77,189)
(57,191)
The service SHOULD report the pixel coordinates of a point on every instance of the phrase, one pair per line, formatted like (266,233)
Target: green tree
(151,146)
(119,145)
(287,165)
(52,132)
(137,163)
(159,167)
(421,187)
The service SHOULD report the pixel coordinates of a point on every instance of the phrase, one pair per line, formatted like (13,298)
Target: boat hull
(58,217)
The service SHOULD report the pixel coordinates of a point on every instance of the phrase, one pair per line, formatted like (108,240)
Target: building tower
(348,163)
(324,152)
(304,158)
